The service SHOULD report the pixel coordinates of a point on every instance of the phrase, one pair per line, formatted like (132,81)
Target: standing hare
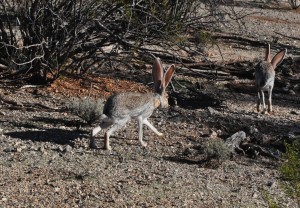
(265,77)
(120,108)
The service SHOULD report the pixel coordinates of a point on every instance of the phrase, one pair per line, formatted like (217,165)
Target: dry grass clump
(87,109)
(216,149)
(290,170)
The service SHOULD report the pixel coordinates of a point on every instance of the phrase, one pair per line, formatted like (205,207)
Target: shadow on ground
(59,121)
(58,136)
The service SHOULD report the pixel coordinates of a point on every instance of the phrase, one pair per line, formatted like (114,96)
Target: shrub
(269,199)
(290,170)
(204,38)
(42,39)
(216,149)
(87,109)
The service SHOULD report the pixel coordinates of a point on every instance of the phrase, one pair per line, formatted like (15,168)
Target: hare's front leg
(145,121)
(96,130)
(140,123)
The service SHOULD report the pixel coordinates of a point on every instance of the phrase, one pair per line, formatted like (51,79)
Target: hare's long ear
(278,58)
(168,75)
(268,58)
(157,74)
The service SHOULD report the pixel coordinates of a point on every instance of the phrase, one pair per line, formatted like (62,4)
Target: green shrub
(205,38)
(269,199)
(290,170)
(87,109)
(216,149)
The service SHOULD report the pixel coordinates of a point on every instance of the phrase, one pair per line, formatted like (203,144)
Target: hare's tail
(266,81)
(103,116)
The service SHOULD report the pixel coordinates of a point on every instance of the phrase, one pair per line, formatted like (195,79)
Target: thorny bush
(42,38)
(87,109)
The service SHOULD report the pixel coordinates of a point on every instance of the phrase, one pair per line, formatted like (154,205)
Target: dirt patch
(94,86)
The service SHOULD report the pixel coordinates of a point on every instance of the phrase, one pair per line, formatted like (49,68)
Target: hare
(120,108)
(265,77)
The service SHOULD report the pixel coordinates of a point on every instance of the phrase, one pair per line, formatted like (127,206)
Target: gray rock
(68,148)
(10,149)
(212,111)
(235,140)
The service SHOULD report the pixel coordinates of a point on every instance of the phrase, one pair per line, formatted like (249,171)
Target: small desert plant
(269,199)
(290,170)
(87,109)
(216,149)
(205,38)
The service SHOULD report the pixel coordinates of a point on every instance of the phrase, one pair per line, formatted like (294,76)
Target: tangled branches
(42,38)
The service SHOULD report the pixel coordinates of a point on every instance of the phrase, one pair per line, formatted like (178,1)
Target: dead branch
(286,36)
(75,35)
(241,40)
(24,106)
(30,86)
(4,67)
(255,150)
(207,71)
(10,102)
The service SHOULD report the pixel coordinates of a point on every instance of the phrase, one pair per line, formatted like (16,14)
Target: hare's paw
(160,134)
(264,111)
(270,110)
(144,144)
(93,144)
(258,108)
(107,147)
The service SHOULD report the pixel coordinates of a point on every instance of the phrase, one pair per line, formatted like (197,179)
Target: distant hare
(265,77)
(120,108)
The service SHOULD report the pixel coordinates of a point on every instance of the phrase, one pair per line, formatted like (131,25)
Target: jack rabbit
(265,77)
(120,108)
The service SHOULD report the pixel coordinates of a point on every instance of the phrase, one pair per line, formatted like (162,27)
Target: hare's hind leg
(96,130)
(258,101)
(261,100)
(270,100)
(140,124)
(117,125)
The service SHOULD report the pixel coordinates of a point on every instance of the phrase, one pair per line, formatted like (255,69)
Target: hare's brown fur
(265,77)
(120,108)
